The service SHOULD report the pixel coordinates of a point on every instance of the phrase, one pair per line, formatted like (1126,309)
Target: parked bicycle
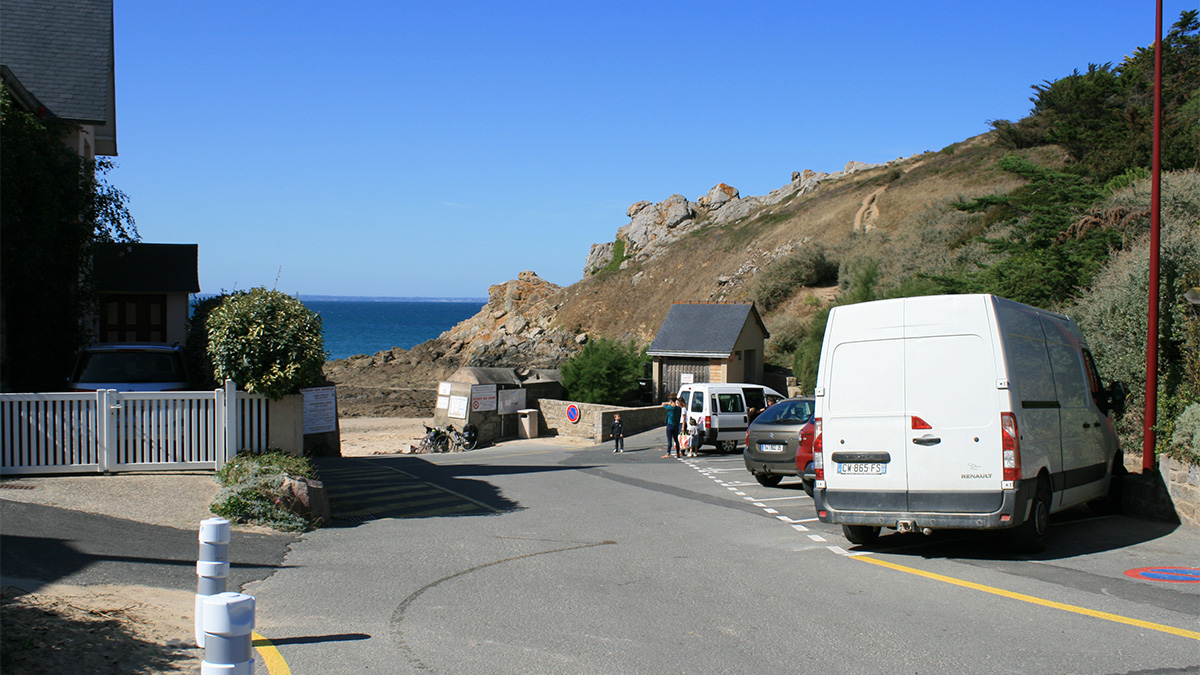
(466,439)
(436,440)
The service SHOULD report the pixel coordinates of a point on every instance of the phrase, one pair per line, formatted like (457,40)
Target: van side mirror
(1114,399)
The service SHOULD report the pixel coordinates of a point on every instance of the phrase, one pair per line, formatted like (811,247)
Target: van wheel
(728,446)
(862,535)
(808,488)
(768,479)
(1030,536)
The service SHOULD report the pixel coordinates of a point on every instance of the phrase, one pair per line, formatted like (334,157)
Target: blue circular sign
(573,413)
(1175,575)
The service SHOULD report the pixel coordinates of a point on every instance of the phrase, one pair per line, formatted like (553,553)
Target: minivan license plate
(862,468)
(771,447)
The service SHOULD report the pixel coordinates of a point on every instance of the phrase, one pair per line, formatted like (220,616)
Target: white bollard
(228,643)
(212,566)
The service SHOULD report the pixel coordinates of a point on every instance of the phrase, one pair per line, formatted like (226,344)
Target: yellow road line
(271,657)
(1031,599)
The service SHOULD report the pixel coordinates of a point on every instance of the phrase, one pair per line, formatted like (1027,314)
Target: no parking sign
(573,413)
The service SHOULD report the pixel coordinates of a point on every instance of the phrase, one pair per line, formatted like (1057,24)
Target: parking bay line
(1116,618)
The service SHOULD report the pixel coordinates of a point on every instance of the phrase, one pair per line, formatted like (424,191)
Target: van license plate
(870,469)
(771,447)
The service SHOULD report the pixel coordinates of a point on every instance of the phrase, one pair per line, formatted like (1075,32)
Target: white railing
(110,431)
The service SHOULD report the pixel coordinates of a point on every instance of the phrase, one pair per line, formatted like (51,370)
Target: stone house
(708,342)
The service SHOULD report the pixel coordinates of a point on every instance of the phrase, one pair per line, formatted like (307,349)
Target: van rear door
(953,435)
(862,408)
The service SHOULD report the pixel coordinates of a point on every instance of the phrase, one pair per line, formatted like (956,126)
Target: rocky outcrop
(516,328)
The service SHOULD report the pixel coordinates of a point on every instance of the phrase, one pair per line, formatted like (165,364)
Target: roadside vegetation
(252,490)
(604,371)
(1073,236)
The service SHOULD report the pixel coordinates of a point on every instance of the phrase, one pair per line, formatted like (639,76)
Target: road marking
(787,520)
(800,528)
(780,499)
(769,510)
(271,657)
(742,494)
(817,537)
(1116,618)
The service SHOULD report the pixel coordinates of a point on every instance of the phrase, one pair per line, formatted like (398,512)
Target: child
(697,438)
(618,434)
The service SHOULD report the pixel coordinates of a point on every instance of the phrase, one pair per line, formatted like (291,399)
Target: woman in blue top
(674,413)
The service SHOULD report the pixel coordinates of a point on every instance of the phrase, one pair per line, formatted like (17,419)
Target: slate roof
(146,268)
(60,52)
(708,330)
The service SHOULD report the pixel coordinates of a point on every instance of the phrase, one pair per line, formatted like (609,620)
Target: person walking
(618,434)
(674,414)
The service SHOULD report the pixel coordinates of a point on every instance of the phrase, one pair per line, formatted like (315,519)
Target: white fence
(110,431)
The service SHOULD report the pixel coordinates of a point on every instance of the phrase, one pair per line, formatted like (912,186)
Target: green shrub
(780,280)
(1113,311)
(252,492)
(267,342)
(604,371)
(1185,441)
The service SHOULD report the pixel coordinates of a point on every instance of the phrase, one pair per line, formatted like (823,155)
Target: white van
(724,410)
(958,411)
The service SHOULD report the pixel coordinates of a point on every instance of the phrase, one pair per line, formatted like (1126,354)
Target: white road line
(800,528)
(758,503)
(742,494)
(787,520)
(780,499)
(732,489)
(770,510)
(808,520)
(817,537)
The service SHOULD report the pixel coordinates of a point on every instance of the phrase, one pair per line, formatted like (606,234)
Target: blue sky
(397,148)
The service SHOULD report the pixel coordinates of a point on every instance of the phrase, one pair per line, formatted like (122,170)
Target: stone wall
(1183,486)
(595,419)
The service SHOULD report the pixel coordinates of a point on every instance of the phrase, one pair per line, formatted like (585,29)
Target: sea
(357,325)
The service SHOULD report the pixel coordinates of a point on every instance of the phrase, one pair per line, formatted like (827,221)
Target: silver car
(779,442)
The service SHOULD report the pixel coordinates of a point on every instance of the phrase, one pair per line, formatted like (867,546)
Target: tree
(55,206)
(604,371)
(267,342)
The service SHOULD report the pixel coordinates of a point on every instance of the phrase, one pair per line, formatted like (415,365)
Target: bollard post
(212,566)
(228,643)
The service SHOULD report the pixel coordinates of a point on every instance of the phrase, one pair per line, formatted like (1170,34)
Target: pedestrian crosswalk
(361,491)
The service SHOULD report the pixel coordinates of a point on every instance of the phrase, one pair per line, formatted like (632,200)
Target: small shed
(144,290)
(490,398)
(708,342)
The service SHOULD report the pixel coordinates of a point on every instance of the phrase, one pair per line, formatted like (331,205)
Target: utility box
(528,423)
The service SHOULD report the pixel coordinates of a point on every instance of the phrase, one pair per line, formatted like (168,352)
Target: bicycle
(436,440)
(466,439)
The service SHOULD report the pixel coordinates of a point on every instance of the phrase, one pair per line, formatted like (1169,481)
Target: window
(730,403)
(133,318)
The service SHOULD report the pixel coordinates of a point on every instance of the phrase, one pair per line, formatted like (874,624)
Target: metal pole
(1151,415)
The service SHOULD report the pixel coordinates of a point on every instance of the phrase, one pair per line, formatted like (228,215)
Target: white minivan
(959,411)
(724,410)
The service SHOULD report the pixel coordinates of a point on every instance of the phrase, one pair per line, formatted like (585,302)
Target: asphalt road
(43,544)
(526,558)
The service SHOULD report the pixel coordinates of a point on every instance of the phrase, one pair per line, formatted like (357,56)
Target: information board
(509,401)
(483,397)
(320,410)
(458,407)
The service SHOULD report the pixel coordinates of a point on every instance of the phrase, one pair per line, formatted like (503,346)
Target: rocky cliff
(712,248)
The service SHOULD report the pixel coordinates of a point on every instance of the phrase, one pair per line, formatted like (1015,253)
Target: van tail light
(708,421)
(918,423)
(818,450)
(1010,444)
